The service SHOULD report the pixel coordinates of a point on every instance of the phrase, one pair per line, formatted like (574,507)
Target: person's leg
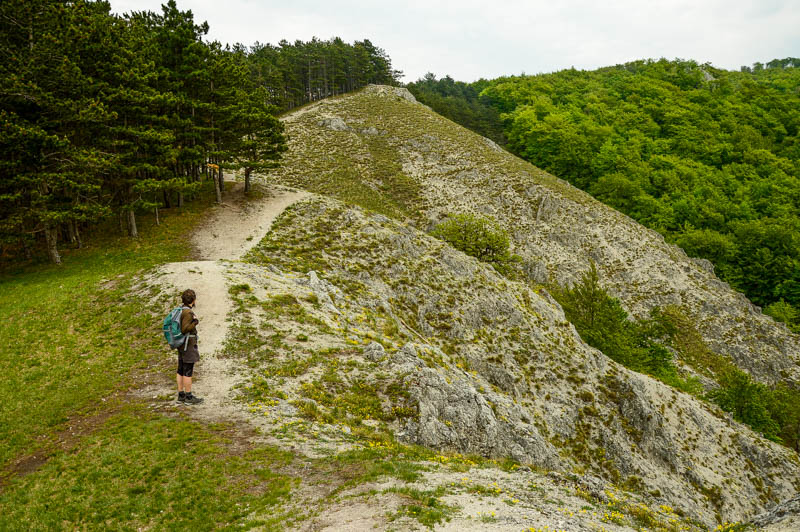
(180,379)
(187,385)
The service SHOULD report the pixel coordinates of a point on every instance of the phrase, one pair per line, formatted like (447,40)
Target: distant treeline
(788,62)
(710,158)
(109,116)
(461,103)
(294,74)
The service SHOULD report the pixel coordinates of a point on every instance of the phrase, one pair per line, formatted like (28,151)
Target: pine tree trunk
(157,221)
(325,76)
(216,188)
(221,181)
(247,179)
(122,229)
(132,232)
(180,199)
(51,237)
(167,203)
(310,94)
(78,235)
(71,232)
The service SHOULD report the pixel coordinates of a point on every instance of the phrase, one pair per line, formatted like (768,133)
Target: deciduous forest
(105,116)
(707,157)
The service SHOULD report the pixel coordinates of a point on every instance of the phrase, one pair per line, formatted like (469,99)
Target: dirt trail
(207,279)
(231,231)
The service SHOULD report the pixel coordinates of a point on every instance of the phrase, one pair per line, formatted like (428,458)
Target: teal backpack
(172,329)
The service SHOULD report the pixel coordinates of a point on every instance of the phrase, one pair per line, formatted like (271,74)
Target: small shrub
(773,412)
(784,312)
(239,289)
(479,237)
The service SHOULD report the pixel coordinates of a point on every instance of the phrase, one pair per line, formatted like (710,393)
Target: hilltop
(705,156)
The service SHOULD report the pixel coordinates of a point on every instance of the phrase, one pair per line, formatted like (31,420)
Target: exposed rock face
(784,517)
(493,367)
(556,228)
(398,92)
(334,123)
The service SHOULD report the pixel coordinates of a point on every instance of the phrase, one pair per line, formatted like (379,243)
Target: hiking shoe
(192,399)
(181,397)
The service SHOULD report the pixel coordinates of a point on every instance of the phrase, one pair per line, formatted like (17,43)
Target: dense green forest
(105,116)
(709,158)
(461,103)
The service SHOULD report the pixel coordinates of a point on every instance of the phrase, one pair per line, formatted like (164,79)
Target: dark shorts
(185,368)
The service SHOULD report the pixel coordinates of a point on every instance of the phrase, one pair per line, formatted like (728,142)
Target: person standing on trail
(190,354)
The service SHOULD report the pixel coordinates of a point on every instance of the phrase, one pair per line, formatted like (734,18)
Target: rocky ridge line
(555,227)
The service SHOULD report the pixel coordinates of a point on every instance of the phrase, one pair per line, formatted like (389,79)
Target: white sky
(470,39)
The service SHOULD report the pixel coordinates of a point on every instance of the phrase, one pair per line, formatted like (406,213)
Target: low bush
(643,346)
(479,237)
(774,412)
(784,312)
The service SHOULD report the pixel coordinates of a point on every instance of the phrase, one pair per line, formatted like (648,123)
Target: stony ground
(446,491)
(381,150)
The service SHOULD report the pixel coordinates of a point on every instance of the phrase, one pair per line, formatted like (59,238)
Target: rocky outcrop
(334,123)
(493,368)
(396,92)
(784,517)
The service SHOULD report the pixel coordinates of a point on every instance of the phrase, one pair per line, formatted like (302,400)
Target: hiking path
(232,229)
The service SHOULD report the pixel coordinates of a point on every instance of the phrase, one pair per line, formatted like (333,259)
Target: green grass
(76,453)
(379,459)
(73,335)
(425,506)
(379,185)
(366,170)
(148,471)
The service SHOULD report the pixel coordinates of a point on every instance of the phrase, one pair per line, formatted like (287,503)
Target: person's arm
(188,321)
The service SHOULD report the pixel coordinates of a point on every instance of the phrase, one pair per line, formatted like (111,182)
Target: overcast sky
(470,39)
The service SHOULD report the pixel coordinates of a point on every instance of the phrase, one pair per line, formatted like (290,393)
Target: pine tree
(44,93)
(261,140)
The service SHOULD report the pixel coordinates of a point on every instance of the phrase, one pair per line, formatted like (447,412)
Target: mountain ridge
(496,370)
(546,217)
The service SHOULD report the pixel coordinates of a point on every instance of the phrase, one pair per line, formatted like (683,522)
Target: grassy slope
(79,453)
(76,451)
(144,470)
(73,335)
(349,167)
(325,163)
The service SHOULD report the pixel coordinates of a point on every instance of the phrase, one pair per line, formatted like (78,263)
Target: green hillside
(707,157)
(402,326)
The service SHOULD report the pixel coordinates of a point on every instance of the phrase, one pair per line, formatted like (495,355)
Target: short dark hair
(188,296)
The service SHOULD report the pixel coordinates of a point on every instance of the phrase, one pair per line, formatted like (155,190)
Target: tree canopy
(461,103)
(104,115)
